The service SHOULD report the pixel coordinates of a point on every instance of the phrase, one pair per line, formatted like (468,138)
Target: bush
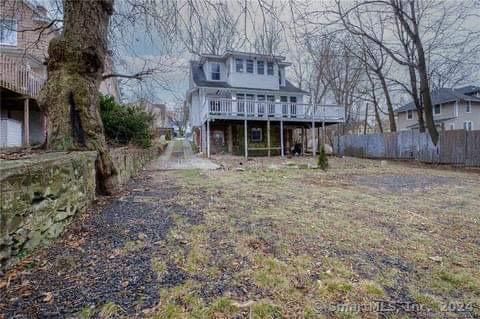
(322,159)
(126,124)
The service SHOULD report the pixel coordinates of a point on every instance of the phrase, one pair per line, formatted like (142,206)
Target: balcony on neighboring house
(21,122)
(17,76)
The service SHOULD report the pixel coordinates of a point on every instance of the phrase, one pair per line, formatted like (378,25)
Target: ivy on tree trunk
(70,97)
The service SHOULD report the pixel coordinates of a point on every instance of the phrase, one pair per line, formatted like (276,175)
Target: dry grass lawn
(278,240)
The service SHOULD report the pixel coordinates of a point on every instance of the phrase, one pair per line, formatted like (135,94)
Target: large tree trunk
(70,98)
(391,113)
(416,99)
(425,92)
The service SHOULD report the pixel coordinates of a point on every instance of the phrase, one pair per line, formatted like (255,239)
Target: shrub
(322,159)
(126,124)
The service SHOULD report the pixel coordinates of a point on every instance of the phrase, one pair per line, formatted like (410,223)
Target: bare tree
(179,117)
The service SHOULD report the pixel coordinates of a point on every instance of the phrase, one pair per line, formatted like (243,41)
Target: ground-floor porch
(253,137)
(21,121)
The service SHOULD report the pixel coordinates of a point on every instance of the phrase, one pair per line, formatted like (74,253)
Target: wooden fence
(16,75)
(457,147)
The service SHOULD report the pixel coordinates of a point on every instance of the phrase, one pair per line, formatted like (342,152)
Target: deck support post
(208,138)
(314,144)
(26,123)
(281,139)
(268,137)
(230,139)
(246,138)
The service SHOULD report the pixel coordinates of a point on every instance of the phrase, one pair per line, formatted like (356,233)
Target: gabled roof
(446,95)
(198,77)
(229,53)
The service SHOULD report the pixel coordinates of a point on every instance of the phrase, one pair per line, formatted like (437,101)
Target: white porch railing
(217,107)
(15,75)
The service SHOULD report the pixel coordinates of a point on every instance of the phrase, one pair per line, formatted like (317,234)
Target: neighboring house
(25,31)
(241,103)
(453,109)
(22,71)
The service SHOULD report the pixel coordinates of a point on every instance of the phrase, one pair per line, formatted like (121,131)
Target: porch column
(246,138)
(26,123)
(208,138)
(230,139)
(281,138)
(268,137)
(314,144)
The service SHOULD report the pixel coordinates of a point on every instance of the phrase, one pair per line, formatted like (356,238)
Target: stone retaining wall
(40,195)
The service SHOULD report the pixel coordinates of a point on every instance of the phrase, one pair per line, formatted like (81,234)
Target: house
(453,109)
(241,103)
(25,32)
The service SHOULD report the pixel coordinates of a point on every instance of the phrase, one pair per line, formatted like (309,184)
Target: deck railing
(17,76)
(217,107)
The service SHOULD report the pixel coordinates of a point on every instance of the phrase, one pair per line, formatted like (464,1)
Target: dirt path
(179,155)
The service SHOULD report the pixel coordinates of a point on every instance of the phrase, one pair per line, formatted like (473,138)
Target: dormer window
(261,67)
(8,32)
(270,68)
(215,71)
(239,65)
(249,66)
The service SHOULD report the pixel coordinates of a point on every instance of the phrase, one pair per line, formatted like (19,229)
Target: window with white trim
(270,68)
(239,65)
(8,32)
(468,107)
(249,66)
(261,67)
(468,125)
(256,134)
(437,109)
(409,115)
(215,67)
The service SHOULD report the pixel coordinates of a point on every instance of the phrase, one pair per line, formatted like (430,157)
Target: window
(452,126)
(239,65)
(249,66)
(261,67)
(215,71)
(409,115)
(437,109)
(270,68)
(293,106)
(467,125)
(279,77)
(468,108)
(8,31)
(256,134)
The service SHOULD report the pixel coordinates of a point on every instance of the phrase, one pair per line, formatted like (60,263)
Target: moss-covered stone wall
(41,195)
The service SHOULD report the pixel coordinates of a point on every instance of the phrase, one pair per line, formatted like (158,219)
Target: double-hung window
(239,65)
(270,68)
(261,67)
(437,109)
(249,66)
(215,71)
(467,125)
(8,32)
(256,134)
(409,115)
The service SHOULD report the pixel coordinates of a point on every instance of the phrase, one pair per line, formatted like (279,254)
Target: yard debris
(437,259)
(48,297)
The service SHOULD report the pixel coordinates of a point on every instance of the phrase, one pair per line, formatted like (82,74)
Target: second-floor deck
(17,76)
(218,108)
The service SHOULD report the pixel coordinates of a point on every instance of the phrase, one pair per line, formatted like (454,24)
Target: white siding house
(241,102)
